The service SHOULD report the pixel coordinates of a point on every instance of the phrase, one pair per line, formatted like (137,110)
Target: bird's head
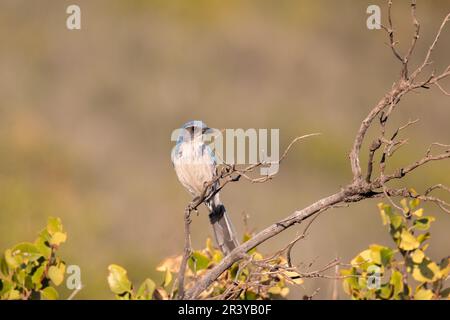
(193,130)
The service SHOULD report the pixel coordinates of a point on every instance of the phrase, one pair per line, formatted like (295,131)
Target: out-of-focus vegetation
(32,270)
(86,117)
(259,278)
(405,271)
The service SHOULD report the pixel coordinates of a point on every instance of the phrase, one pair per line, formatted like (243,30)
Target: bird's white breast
(194,166)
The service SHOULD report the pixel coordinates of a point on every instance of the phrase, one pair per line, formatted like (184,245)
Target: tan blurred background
(86,118)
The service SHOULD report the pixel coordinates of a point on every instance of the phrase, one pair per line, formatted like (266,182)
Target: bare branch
(360,188)
(187,251)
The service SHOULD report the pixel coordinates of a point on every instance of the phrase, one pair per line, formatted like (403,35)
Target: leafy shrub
(257,278)
(407,271)
(32,270)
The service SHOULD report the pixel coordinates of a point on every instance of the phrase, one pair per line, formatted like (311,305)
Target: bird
(195,165)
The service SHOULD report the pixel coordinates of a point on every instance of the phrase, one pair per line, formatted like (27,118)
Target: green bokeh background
(86,118)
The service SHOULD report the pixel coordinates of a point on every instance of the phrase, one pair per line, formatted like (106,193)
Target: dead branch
(359,188)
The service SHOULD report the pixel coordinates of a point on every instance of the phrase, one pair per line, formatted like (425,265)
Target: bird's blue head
(192,130)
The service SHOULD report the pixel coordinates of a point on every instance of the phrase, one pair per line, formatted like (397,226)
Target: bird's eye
(190,130)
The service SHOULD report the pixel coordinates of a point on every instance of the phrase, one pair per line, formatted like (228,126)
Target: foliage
(253,279)
(32,270)
(407,271)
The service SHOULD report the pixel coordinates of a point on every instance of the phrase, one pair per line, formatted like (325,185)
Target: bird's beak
(207,130)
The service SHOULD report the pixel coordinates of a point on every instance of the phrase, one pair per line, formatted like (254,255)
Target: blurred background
(86,118)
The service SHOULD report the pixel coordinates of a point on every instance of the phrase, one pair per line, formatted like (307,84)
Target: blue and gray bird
(196,166)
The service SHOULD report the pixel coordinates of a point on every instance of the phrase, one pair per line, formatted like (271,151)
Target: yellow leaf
(13,295)
(375,253)
(118,280)
(417,275)
(436,270)
(418,256)
(274,290)
(56,273)
(414,203)
(294,277)
(383,214)
(257,256)
(423,294)
(404,204)
(397,282)
(408,242)
(209,245)
(58,238)
(432,266)
(418,213)
(284,292)
(364,257)
(167,278)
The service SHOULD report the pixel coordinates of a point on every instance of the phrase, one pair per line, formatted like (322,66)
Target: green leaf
(37,277)
(49,293)
(414,203)
(423,223)
(396,221)
(54,225)
(6,286)
(4,269)
(146,290)
(386,256)
(43,245)
(351,281)
(423,237)
(250,295)
(118,279)
(13,261)
(28,251)
(198,261)
(385,291)
(56,273)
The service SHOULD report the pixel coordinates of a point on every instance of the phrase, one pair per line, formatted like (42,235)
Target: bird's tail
(223,229)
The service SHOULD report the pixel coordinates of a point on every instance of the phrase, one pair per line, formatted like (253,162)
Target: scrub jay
(196,165)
